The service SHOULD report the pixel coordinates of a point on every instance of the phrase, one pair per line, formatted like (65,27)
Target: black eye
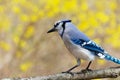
(56,24)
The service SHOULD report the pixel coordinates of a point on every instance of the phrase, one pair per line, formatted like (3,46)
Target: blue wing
(89,45)
(92,46)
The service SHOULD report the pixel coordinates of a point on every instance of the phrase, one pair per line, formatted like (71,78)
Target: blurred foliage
(26,49)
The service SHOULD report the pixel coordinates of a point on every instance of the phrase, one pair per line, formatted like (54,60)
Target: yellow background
(27,50)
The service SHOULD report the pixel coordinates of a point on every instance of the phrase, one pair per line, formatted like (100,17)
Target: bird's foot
(84,71)
(68,72)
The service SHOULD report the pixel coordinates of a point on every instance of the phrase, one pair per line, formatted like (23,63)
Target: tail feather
(111,58)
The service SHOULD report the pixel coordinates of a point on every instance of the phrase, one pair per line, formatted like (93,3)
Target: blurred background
(27,50)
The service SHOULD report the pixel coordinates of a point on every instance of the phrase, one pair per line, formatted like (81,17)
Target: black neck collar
(63,25)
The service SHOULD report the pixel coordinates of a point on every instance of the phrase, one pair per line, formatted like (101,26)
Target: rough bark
(113,72)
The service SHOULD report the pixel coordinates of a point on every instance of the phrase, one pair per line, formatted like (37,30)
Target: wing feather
(91,46)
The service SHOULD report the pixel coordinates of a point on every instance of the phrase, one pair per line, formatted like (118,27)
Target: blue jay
(79,45)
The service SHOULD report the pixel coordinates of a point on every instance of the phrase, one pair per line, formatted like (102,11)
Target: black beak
(51,30)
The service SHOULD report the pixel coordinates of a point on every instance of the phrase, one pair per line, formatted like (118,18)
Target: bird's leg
(78,64)
(87,68)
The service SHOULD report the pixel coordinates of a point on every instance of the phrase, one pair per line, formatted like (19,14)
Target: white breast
(77,50)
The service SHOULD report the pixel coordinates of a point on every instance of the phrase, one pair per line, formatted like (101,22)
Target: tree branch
(113,72)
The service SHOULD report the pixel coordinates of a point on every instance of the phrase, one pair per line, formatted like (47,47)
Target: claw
(68,72)
(86,70)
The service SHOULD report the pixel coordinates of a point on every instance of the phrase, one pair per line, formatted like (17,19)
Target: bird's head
(59,26)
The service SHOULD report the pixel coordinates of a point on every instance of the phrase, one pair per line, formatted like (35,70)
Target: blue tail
(113,59)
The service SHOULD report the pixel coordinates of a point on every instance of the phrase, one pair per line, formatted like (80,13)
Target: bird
(79,45)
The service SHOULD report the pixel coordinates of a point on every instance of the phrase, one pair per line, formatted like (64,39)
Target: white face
(58,25)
